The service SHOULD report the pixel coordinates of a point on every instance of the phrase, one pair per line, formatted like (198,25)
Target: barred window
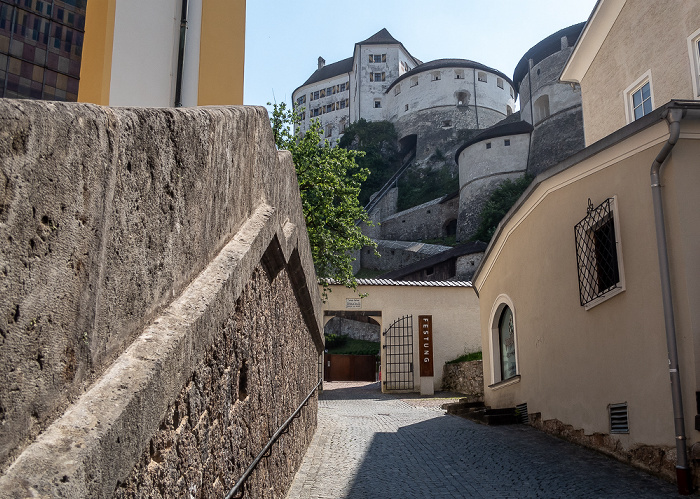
(598,254)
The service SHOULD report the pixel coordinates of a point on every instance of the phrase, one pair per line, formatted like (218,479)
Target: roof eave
(616,137)
(595,31)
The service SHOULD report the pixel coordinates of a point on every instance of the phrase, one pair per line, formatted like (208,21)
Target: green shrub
(334,341)
(500,201)
(467,357)
(420,185)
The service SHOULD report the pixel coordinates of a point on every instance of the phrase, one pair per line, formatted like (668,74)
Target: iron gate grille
(596,252)
(398,343)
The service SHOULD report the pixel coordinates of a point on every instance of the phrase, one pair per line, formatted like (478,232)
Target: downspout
(673,116)
(476,105)
(181,55)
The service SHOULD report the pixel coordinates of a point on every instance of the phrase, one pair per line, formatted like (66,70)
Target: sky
(284,38)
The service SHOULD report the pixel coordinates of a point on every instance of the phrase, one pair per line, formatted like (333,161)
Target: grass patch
(467,357)
(443,241)
(369,273)
(340,344)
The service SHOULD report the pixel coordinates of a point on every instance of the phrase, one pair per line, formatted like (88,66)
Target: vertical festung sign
(425,324)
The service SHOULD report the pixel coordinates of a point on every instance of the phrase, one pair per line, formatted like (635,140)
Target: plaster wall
(372,90)
(573,362)
(544,77)
(333,118)
(625,56)
(481,170)
(145,78)
(455,312)
(127,236)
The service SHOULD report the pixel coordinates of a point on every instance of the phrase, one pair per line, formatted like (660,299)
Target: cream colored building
(163,53)
(626,45)
(577,318)
(452,305)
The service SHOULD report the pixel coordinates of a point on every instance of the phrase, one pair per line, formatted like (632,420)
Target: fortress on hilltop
(456,108)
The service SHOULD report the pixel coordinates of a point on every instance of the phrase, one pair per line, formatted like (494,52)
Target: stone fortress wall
(146,255)
(461,111)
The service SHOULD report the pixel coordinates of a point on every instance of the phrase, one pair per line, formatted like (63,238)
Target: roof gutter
(181,55)
(683,475)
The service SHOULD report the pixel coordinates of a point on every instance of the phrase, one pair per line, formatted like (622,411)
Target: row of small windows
(377,58)
(506,143)
(325,92)
(328,108)
(459,75)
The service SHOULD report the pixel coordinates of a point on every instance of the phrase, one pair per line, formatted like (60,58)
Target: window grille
(596,252)
(619,420)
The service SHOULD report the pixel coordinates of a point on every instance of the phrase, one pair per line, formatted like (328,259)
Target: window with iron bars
(598,254)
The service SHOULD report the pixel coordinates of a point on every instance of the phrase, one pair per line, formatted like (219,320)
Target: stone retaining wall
(127,237)
(466,378)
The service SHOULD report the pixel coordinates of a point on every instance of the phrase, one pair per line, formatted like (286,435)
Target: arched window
(504,343)
(509,110)
(541,108)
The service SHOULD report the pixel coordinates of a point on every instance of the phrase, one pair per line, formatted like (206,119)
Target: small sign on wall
(353,302)
(425,325)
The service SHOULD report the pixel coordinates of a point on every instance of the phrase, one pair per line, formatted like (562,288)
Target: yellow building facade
(163,53)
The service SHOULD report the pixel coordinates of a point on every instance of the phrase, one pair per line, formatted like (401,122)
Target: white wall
(144,57)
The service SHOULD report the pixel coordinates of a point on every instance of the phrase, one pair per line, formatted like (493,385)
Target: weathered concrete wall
(396,254)
(353,329)
(481,170)
(123,233)
(465,377)
(555,139)
(467,265)
(425,221)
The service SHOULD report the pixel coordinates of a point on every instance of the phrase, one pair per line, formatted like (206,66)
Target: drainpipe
(181,55)
(673,116)
(476,104)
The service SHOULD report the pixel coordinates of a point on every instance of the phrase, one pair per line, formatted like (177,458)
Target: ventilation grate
(619,422)
(521,413)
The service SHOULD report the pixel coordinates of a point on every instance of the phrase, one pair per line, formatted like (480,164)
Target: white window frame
(499,305)
(634,87)
(694,54)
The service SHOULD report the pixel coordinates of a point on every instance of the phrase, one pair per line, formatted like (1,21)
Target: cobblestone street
(371,445)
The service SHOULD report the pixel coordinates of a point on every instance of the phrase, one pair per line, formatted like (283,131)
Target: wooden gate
(398,344)
(338,367)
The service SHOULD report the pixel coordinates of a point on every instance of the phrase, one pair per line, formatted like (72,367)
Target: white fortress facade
(427,102)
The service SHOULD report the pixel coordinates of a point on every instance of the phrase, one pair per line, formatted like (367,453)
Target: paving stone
(370,444)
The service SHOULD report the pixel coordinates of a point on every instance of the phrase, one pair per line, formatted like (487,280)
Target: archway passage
(352,345)
(450,228)
(408,144)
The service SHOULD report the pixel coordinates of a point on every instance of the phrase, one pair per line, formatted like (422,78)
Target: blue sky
(284,38)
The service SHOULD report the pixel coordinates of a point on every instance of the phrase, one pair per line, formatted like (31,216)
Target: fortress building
(461,108)
(431,104)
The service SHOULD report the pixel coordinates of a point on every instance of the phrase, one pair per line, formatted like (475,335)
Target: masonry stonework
(466,378)
(126,237)
(213,430)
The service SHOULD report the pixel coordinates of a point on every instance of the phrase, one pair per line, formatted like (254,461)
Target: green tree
(379,141)
(329,182)
(500,201)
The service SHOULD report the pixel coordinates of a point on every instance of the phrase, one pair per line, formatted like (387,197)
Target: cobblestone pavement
(371,445)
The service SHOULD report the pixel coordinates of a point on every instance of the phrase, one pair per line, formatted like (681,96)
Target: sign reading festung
(425,324)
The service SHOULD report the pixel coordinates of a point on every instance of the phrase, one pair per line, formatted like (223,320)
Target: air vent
(619,422)
(521,413)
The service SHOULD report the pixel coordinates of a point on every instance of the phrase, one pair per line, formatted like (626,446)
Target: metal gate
(398,343)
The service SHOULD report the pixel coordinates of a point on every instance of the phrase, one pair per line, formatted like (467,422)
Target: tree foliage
(420,185)
(500,201)
(329,182)
(378,140)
